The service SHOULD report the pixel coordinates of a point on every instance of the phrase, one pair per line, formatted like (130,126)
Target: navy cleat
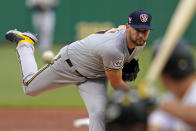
(19,37)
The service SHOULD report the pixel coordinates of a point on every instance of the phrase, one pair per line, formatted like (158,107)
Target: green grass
(11,92)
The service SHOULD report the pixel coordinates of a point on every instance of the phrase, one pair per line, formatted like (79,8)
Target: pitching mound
(41,119)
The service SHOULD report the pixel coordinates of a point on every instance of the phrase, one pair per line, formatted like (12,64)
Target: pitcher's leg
(44,80)
(94,94)
(52,76)
(27,61)
(49,77)
(25,49)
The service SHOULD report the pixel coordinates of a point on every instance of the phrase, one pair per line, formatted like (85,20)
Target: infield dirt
(40,119)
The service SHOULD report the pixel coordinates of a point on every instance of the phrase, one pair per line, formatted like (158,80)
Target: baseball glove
(130,70)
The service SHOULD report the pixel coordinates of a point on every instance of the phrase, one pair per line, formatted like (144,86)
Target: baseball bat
(177,26)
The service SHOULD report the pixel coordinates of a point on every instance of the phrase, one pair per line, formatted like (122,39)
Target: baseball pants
(60,74)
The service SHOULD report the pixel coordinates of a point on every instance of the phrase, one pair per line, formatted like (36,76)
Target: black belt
(70,64)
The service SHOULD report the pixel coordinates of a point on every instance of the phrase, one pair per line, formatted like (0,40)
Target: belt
(70,64)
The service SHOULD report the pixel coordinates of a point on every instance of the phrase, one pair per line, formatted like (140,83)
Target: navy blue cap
(140,19)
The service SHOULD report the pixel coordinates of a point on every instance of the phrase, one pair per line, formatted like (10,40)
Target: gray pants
(60,74)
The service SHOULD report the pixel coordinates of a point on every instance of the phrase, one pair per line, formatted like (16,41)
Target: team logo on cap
(130,18)
(143,18)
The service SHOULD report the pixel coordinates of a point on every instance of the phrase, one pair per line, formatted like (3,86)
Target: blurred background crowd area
(77,19)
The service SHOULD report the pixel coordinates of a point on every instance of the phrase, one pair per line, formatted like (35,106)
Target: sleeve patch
(118,62)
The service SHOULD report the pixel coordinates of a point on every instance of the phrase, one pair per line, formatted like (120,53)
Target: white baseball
(48,56)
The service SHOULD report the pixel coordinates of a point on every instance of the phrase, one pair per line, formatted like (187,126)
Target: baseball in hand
(48,56)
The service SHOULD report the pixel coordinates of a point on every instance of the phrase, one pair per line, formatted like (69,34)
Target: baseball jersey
(101,51)
(169,122)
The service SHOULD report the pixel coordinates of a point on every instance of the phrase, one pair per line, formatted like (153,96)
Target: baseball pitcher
(88,63)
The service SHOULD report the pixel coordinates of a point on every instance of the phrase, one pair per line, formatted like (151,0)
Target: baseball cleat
(19,37)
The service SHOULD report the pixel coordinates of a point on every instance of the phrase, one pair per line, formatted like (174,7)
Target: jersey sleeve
(113,60)
(160,119)
(189,97)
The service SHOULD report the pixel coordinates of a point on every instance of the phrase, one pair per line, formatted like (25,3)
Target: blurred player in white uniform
(43,20)
(88,63)
(177,110)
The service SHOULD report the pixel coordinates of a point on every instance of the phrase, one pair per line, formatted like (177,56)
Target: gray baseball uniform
(82,63)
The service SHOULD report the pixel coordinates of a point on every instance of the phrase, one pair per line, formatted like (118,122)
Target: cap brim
(142,27)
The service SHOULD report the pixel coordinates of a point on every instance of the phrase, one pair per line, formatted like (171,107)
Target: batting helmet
(127,112)
(180,63)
